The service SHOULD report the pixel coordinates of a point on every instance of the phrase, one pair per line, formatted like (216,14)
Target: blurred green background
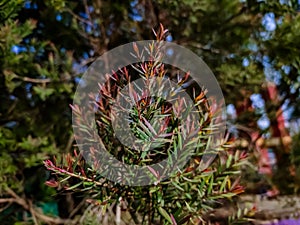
(45,47)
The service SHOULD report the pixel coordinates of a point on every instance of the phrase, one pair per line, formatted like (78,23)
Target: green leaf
(229,160)
(223,185)
(165,214)
(177,186)
(74,186)
(43,92)
(210,187)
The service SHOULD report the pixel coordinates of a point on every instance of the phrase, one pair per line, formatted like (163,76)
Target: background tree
(45,47)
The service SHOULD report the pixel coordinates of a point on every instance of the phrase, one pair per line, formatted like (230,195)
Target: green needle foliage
(183,198)
(45,46)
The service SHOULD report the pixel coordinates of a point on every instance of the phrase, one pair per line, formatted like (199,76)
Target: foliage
(45,46)
(189,192)
(36,85)
(295,162)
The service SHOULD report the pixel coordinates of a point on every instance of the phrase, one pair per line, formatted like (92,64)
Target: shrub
(182,198)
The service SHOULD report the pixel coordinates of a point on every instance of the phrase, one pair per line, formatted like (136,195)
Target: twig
(75,210)
(7,200)
(87,12)
(33,213)
(70,142)
(34,80)
(55,169)
(29,207)
(87,61)
(200,46)
(102,26)
(79,18)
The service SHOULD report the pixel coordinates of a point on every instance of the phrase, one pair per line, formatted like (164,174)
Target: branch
(29,207)
(50,166)
(27,79)
(241,12)
(78,17)
(200,46)
(34,80)
(7,200)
